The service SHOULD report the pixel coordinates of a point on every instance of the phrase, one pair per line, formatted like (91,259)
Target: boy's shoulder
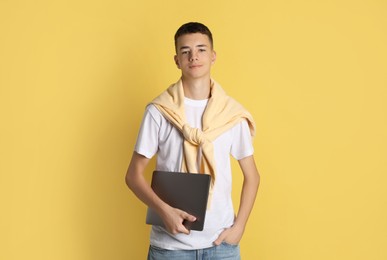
(156,115)
(151,108)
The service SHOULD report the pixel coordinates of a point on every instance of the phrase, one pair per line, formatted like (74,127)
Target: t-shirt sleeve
(242,145)
(148,137)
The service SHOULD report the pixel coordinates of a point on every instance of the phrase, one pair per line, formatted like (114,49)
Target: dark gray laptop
(185,191)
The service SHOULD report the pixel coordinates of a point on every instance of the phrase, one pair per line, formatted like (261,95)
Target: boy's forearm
(173,218)
(139,186)
(249,191)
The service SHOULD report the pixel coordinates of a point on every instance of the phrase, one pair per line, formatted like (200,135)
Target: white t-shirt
(157,135)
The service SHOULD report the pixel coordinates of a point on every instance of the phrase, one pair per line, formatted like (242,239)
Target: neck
(197,89)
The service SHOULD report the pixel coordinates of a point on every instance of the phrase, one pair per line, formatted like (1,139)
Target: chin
(196,75)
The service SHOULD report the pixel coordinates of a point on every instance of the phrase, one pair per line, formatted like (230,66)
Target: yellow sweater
(222,113)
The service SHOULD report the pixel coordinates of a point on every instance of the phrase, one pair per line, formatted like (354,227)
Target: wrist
(162,208)
(239,225)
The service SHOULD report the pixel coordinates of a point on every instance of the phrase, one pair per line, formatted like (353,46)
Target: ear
(176,61)
(213,58)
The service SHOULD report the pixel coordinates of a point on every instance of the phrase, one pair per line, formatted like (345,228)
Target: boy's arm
(249,190)
(172,217)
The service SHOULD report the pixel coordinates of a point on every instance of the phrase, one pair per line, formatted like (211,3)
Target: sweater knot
(193,135)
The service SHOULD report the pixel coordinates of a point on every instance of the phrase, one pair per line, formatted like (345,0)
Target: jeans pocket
(228,244)
(227,251)
(157,249)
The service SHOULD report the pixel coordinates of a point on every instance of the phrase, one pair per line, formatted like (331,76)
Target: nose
(193,56)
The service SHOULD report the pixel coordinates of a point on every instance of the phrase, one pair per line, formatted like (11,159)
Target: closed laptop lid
(185,191)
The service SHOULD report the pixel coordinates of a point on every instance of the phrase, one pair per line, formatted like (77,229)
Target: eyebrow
(198,46)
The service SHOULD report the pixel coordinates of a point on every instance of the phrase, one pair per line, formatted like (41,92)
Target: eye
(202,50)
(184,52)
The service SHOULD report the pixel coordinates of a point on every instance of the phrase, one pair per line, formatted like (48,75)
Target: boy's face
(194,55)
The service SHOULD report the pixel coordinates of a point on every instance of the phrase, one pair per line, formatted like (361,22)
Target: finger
(220,239)
(184,230)
(189,217)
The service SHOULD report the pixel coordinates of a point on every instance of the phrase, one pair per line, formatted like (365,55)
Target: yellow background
(75,77)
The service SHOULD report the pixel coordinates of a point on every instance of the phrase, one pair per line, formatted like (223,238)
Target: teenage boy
(194,126)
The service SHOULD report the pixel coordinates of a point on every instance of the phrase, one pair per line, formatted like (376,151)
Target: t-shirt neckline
(195,102)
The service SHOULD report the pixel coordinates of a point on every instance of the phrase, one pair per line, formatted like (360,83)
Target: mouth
(195,66)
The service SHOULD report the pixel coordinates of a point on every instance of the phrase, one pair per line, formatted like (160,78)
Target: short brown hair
(193,27)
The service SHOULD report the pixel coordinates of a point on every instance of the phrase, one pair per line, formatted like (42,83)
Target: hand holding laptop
(178,221)
(187,194)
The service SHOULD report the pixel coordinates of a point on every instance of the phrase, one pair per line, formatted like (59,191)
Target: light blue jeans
(222,252)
